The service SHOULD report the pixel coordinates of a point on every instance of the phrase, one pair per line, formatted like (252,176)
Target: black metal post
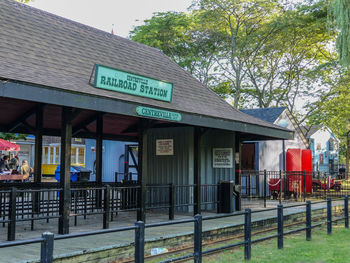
(329,216)
(11,232)
(265,188)
(280,226)
(107,199)
(171,202)
(46,255)
(196,171)
(346,211)
(99,150)
(65,193)
(247,233)
(197,255)
(139,242)
(304,173)
(308,220)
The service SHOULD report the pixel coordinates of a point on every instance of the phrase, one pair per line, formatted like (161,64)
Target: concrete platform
(78,246)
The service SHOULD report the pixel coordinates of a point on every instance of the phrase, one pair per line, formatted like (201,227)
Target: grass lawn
(321,248)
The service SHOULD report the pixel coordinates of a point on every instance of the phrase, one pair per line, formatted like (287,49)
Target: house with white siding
(270,155)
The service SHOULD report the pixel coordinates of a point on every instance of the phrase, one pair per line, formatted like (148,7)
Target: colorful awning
(8,146)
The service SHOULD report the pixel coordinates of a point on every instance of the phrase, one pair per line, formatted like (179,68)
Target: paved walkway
(31,252)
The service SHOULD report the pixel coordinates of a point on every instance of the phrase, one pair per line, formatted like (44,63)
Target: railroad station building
(62,78)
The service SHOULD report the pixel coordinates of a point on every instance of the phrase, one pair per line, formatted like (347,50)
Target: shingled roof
(40,48)
(266,114)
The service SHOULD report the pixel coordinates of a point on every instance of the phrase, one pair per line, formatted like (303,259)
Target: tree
(340,15)
(182,38)
(334,111)
(285,66)
(245,26)
(12,136)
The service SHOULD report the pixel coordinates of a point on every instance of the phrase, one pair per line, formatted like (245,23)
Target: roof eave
(49,95)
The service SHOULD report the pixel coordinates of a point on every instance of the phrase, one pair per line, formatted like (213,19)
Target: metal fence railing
(285,185)
(47,239)
(31,205)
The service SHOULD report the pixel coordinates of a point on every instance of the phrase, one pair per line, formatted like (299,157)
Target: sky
(102,14)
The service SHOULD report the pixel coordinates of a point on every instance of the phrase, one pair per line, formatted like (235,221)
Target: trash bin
(226,197)
(73,174)
(83,173)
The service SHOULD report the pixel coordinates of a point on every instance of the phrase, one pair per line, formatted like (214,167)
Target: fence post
(265,188)
(11,231)
(280,197)
(247,234)
(304,173)
(329,216)
(280,226)
(106,206)
(308,220)
(139,242)
(198,238)
(346,211)
(171,201)
(46,254)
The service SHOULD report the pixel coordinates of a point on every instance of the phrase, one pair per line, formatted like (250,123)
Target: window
(331,144)
(51,152)
(57,155)
(81,155)
(73,155)
(45,155)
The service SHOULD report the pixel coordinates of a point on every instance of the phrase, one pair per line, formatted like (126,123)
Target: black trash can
(83,174)
(225,197)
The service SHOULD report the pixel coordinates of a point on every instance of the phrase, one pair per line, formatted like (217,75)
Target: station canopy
(52,61)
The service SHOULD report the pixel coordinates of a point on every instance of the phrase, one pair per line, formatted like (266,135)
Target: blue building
(325,148)
(113,160)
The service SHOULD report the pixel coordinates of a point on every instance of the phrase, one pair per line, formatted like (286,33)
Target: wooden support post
(65,193)
(38,152)
(142,171)
(238,146)
(196,171)
(99,148)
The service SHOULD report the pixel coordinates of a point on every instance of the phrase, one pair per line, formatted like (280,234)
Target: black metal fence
(298,185)
(47,239)
(31,205)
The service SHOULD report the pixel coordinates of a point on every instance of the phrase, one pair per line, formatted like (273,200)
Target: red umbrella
(8,146)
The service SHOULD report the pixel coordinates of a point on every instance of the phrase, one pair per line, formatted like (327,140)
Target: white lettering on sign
(165,147)
(222,158)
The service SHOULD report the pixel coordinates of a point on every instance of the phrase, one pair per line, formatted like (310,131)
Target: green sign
(120,81)
(158,114)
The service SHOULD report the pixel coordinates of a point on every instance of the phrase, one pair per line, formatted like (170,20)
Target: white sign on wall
(165,147)
(222,158)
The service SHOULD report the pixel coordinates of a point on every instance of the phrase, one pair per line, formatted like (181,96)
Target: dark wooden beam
(99,147)
(65,193)
(38,148)
(29,92)
(99,152)
(83,125)
(142,169)
(38,151)
(196,170)
(75,113)
(12,126)
(238,151)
